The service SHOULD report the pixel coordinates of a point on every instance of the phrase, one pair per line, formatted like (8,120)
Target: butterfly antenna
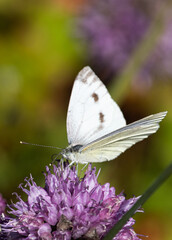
(38,145)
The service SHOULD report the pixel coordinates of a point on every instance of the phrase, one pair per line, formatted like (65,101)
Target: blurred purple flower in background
(68,207)
(112,31)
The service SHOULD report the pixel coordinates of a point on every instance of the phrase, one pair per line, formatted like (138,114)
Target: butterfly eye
(76,148)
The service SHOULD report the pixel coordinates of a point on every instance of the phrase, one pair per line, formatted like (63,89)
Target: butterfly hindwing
(112,145)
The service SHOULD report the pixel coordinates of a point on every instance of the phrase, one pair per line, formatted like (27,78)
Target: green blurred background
(40,55)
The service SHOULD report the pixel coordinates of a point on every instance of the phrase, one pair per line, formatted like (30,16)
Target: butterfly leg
(62,163)
(54,157)
(77,167)
(70,164)
(83,168)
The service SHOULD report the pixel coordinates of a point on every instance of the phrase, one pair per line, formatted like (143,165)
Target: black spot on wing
(101,117)
(95,97)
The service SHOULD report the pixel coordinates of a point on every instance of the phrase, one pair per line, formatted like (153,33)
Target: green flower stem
(120,85)
(166,173)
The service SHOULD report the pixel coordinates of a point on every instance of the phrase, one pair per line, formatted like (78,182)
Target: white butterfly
(96,127)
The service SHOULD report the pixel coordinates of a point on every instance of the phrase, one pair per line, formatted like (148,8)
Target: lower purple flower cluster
(68,207)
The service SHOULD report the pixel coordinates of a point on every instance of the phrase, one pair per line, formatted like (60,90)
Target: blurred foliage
(40,57)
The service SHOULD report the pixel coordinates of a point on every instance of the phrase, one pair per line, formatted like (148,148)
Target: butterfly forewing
(92,113)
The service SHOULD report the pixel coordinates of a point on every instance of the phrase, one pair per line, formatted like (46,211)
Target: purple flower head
(68,207)
(113,29)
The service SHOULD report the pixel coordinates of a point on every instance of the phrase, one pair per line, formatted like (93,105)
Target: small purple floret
(2,204)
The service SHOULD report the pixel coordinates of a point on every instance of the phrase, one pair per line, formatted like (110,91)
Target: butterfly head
(70,152)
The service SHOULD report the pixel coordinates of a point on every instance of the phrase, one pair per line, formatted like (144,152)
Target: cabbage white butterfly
(96,128)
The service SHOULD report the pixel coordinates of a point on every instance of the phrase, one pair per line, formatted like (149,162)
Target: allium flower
(2,204)
(68,207)
(113,29)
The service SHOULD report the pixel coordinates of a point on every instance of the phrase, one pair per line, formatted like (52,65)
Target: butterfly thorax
(71,151)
